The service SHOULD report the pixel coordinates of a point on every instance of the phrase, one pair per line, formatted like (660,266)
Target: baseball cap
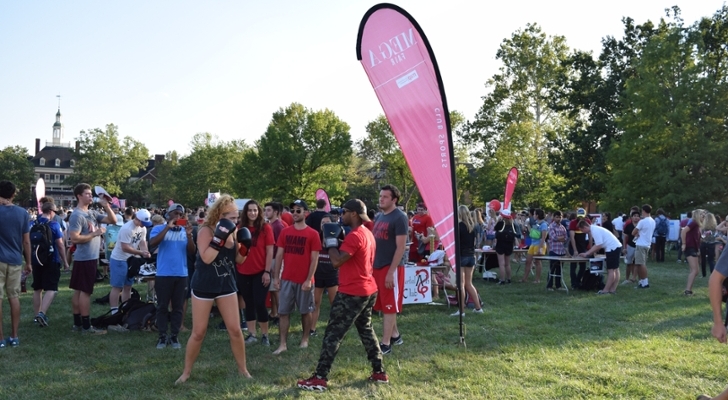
(299,203)
(358,207)
(145,217)
(176,207)
(580,212)
(505,213)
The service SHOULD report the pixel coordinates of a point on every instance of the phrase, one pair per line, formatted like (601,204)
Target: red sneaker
(315,382)
(379,377)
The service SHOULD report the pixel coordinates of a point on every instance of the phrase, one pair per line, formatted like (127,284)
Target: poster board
(417,285)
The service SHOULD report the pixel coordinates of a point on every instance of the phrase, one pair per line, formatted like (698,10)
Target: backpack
(41,244)
(662,227)
(140,317)
(105,299)
(506,233)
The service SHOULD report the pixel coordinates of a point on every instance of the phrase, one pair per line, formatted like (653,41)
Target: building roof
(146,172)
(51,153)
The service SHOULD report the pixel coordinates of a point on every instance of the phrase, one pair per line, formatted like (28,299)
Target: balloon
(495,205)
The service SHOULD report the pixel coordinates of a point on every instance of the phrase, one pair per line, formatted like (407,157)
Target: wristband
(266,272)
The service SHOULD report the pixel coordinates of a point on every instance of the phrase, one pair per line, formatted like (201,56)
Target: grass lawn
(529,344)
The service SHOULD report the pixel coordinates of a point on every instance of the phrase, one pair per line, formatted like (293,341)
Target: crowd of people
(259,265)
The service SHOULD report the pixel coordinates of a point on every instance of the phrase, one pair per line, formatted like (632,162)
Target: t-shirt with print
(692,237)
(130,234)
(355,275)
(297,247)
(255,262)
(646,227)
(172,251)
(386,229)
(86,222)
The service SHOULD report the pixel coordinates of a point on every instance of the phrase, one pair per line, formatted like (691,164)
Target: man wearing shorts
(85,232)
(604,239)
(354,301)
(298,248)
(131,241)
(643,231)
(46,277)
(390,234)
(14,246)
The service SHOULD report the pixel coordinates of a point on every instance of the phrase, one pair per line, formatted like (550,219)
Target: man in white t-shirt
(131,241)
(618,224)
(643,233)
(604,239)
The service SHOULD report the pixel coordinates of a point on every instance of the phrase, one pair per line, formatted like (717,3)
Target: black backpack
(125,310)
(41,244)
(506,233)
(141,317)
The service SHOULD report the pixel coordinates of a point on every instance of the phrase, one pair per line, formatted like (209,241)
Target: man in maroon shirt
(354,300)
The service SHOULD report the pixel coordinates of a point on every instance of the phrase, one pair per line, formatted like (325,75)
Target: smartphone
(181,222)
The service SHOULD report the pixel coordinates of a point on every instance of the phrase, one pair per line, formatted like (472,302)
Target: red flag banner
(510,187)
(321,194)
(399,62)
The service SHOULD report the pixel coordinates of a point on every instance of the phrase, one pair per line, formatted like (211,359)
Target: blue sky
(165,70)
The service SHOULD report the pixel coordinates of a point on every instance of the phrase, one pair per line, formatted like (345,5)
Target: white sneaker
(626,282)
(480,311)
(457,314)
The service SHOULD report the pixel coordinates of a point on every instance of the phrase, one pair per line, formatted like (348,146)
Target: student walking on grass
(214,281)
(466,228)
(690,236)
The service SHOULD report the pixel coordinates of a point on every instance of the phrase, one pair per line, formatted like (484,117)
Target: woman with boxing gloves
(214,281)
(253,276)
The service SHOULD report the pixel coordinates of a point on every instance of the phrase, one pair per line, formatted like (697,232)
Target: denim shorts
(467,261)
(117,274)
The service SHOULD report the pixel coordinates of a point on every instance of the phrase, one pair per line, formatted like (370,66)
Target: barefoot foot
(182,379)
(304,345)
(280,350)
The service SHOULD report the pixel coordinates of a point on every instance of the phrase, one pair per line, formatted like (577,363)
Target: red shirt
(692,237)
(255,262)
(369,225)
(355,275)
(297,247)
(419,224)
(287,218)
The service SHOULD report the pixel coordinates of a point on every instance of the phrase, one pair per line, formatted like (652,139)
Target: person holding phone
(174,243)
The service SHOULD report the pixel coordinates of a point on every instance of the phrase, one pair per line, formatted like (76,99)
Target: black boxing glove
(223,229)
(244,237)
(331,233)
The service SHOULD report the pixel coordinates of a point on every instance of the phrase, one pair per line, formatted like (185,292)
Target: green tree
(208,167)
(165,186)
(135,192)
(590,92)
(105,160)
(302,150)
(674,134)
(15,166)
(515,125)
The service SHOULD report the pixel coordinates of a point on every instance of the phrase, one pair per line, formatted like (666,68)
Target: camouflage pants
(347,311)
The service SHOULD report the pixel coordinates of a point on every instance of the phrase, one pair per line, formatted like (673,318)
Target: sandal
(688,293)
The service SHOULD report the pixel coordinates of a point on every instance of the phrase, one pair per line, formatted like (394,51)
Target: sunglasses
(297,211)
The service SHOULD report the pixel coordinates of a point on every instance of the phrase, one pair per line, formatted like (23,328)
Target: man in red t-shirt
(354,300)
(298,248)
(420,222)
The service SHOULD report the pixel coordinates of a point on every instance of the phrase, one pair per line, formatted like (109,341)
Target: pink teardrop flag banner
(511,181)
(39,191)
(321,194)
(115,200)
(399,62)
